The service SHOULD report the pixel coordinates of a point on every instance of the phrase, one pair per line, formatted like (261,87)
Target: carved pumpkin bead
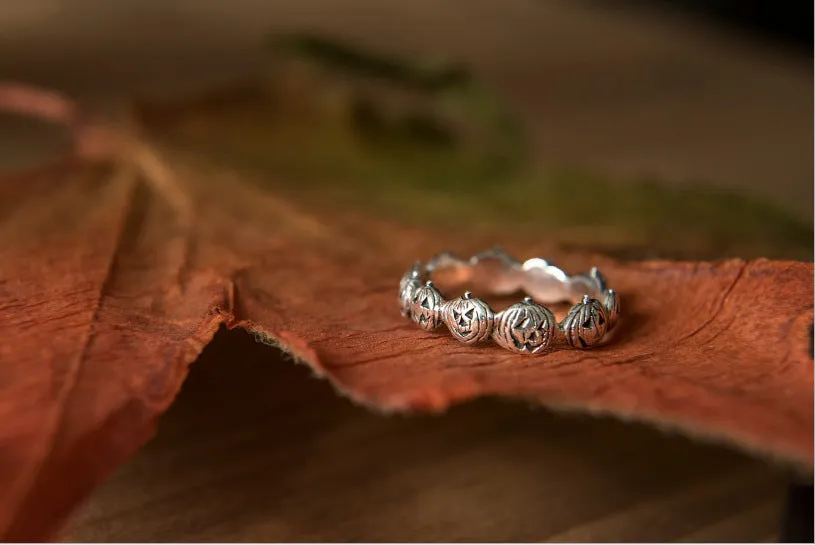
(525,327)
(425,307)
(407,287)
(612,305)
(470,320)
(586,323)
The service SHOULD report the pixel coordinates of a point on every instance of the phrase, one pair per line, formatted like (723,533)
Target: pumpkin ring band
(526,327)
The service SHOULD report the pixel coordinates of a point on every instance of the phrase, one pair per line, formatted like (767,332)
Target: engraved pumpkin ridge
(586,323)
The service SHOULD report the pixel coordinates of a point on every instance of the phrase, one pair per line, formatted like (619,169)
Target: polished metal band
(526,327)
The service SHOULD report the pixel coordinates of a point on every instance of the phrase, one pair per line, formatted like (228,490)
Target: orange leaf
(115,274)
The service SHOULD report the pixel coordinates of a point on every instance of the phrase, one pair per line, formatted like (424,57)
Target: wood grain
(256,449)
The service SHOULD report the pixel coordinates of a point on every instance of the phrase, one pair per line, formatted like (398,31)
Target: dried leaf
(118,268)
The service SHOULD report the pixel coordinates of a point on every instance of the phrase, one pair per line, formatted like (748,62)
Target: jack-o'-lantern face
(470,320)
(586,323)
(425,307)
(525,327)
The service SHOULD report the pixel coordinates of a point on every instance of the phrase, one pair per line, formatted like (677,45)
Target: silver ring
(527,327)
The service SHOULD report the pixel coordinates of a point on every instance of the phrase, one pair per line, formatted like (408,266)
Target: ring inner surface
(545,283)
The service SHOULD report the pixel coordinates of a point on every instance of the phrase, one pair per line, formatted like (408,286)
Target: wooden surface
(257,449)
